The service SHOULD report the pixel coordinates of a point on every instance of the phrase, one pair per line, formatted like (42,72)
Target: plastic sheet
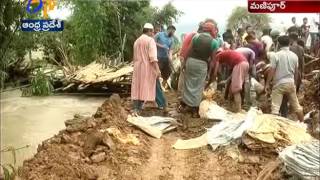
(227,131)
(221,134)
(211,110)
(302,160)
(155,125)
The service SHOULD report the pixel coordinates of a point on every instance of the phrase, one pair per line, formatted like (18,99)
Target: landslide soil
(70,154)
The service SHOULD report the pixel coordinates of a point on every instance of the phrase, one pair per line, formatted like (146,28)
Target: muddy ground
(86,150)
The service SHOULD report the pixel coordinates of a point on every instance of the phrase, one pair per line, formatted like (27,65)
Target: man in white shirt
(284,70)
(266,40)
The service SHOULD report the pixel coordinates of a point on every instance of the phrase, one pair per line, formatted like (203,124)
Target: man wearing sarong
(183,54)
(240,69)
(145,69)
(203,47)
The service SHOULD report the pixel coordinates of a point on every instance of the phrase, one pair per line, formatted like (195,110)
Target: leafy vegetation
(95,29)
(41,84)
(240,17)
(10,170)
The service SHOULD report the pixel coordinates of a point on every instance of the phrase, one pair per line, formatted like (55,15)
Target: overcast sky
(197,10)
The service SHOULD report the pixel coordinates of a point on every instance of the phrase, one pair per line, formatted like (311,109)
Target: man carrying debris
(145,69)
(184,50)
(200,51)
(240,69)
(183,54)
(250,56)
(164,42)
(284,70)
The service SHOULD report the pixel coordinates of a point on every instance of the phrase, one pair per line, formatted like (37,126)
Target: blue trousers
(160,98)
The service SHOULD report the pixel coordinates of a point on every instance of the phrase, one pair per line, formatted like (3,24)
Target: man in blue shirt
(164,42)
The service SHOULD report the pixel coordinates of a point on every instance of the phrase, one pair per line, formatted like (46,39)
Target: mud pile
(98,147)
(311,97)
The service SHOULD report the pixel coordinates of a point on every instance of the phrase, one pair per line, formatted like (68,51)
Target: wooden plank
(69,86)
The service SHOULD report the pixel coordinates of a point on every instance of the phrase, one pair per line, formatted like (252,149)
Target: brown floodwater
(30,120)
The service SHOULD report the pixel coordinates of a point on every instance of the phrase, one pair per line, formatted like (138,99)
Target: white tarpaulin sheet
(303,160)
(154,125)
(211,110)
(227,131)
(221,134)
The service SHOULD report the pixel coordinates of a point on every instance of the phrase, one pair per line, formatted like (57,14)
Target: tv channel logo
(45,24)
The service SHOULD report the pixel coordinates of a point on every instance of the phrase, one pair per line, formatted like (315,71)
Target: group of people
(274,61)
(308,32)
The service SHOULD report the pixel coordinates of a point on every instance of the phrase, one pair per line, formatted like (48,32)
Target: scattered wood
(266,173)
(96,73)
(69,86)
(102,76)
(309,56)
(311,62)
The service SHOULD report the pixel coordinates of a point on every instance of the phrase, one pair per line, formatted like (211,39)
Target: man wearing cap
(200,51)
(164,41)
(145,69)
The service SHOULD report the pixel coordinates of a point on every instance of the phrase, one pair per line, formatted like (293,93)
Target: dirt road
(85,151)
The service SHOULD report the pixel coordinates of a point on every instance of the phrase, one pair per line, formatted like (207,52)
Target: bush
(41,84)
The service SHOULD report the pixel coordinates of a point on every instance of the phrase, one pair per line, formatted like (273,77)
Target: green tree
(167,15)
(109,28)
(240,17)
(10,14)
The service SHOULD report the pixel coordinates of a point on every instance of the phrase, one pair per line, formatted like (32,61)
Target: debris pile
(99,75)
(89,143)
(271,132)
(311,96)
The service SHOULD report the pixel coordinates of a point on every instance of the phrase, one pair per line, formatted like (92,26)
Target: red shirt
(230,57)
(185,44)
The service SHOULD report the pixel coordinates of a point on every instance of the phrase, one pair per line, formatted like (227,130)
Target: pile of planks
(99,74)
